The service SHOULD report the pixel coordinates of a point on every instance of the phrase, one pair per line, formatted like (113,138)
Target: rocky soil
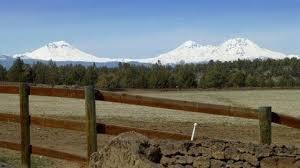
(134,150)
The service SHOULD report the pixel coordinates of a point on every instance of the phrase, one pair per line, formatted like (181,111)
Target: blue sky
(145,28)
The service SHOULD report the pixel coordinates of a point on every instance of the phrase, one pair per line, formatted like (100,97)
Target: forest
(213,74)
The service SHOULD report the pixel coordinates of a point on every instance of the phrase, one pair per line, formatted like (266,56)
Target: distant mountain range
(189,52)
(230,50)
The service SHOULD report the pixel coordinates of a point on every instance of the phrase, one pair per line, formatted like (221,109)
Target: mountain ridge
(230,50)
(188,52)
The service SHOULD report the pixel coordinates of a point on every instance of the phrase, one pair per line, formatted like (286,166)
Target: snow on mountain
(188,52)
(61,51)
(232,49)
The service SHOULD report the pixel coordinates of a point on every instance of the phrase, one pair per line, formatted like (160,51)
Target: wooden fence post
(25,125)
(90,110)
(265,120)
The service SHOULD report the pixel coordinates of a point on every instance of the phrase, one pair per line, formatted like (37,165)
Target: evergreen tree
(91,75)
(17,71)
(3,73)
(251,81)
(215,77)
(237,79)
(52,78)
(40,72)
(214,74)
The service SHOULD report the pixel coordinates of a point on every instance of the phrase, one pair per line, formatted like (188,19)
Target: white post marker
(193,133)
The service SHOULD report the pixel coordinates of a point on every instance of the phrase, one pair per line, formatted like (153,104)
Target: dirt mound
(127,150)
(134,150)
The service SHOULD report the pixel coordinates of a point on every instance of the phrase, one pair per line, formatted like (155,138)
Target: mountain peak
(232,49)
(238,42)
(189,44)
(61,51)
(59,44)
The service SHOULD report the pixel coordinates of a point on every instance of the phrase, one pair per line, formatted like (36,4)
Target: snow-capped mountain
(188,52)
(61,51)
(232,49)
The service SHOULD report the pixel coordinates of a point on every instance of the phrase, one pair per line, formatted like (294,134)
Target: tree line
(214,74)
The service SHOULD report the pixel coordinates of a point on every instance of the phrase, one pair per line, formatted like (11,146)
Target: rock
(180,160)
(167,161)
(232,153)
(204,151)
(137,151)
(239,164)
(250,158)
(218,146)
(200,151)
(284,150)
(278,162)
(205,142)
(217,163)
(176,166)
(187,146)
(190,160)
(217,150)
(194,152)
(184,160)
(218,155)
(169,149)
(264,151)
(201,162)
(251,148)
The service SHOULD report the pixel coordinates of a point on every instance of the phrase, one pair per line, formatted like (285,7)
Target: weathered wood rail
(44,152)
(92,128)
(247,113)
(100,128)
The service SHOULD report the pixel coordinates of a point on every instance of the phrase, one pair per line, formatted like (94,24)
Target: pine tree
(3,73)
(91,75)
(17,71)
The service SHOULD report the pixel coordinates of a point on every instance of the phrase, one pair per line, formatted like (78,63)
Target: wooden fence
(263,114)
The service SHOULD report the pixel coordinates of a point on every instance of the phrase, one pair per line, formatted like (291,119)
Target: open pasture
(282,101)
(227,128)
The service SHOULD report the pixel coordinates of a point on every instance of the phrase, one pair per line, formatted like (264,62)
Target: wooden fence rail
(78,126)
(264,115)
(247,113)
(101,128)
(44,152)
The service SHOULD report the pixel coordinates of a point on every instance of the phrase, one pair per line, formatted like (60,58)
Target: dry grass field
(282,101)
(228,128)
